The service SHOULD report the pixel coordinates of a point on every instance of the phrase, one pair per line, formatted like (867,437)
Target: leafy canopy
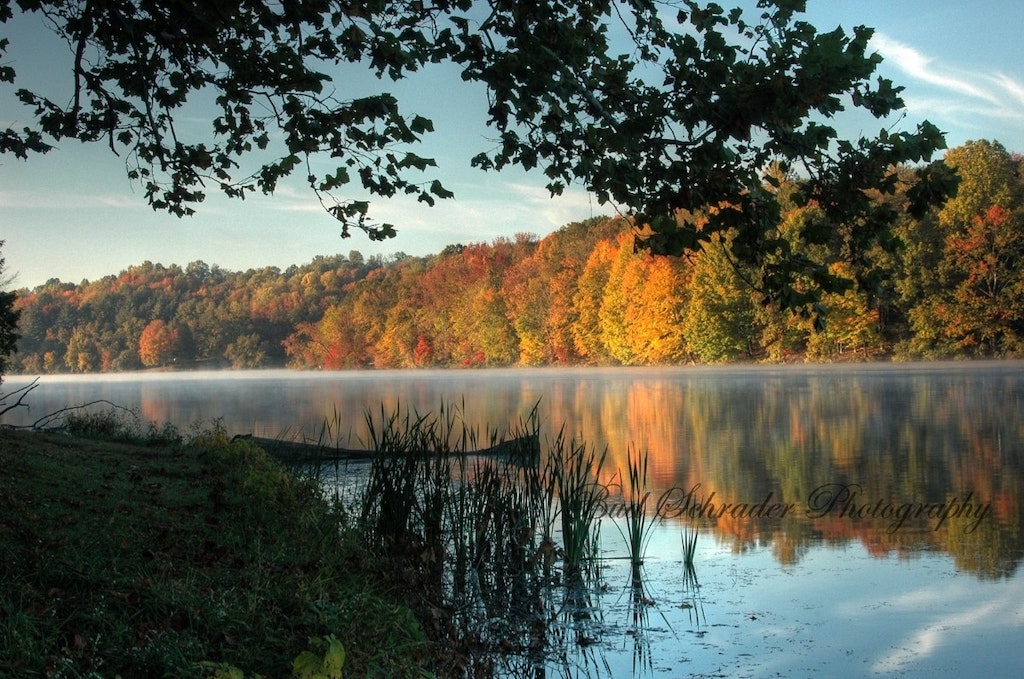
(662,108)
(8,320)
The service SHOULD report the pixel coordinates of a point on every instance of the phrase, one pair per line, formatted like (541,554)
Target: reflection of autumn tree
(993,550)
(916,439)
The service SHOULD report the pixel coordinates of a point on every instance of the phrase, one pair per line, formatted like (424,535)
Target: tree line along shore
(947,285)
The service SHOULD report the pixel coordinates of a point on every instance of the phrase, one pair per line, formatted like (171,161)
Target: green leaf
(438,190)
(339,178)
(334,658)
(307,666)
(419,125)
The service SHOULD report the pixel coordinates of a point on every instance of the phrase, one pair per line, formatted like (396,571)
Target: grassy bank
(182,560)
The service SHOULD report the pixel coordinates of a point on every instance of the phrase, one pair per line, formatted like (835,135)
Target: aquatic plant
(574,466)
(116,423)
(390,495)
(638,521)
(691,587)
(689,540)
(482,536)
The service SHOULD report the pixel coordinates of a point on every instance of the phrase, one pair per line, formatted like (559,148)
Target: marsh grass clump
(500,545)
(574,466)
(114,424)
(637,517)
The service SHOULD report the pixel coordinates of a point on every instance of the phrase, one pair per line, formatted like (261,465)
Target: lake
(860,520)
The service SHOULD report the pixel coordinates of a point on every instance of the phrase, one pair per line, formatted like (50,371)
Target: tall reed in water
(691,587)
(689,539)
(478,532)
(390,498)
(574,470)
(639,522)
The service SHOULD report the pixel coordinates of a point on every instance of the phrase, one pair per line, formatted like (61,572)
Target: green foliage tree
(656,111)
(852,326)
(83,351)
(248,351)
(964,282)
(8,320)
(718,322)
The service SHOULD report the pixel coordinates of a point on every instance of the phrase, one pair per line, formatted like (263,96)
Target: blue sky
(72,214)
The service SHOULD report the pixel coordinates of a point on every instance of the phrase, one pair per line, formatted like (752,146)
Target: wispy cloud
(480,214)
(49,200)
(963,95)
(1011,86)
(985,622)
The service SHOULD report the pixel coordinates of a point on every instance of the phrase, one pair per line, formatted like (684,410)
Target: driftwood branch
(45,420)
(22,393)
(523,447)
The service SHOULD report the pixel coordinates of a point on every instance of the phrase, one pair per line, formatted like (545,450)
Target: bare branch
(23,392)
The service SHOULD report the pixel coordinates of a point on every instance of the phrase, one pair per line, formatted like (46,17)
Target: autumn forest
(949,286)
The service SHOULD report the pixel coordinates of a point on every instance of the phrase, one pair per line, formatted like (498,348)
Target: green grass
(149,557)
(142,551)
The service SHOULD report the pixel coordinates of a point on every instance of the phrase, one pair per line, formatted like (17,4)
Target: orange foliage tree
(586,331)
(158,344)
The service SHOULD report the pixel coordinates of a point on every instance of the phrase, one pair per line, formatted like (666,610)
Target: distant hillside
(950,286)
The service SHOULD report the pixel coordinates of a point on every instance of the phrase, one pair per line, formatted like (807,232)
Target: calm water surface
(854,520)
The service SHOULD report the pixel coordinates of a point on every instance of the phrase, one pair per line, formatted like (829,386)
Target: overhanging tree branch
(689,116)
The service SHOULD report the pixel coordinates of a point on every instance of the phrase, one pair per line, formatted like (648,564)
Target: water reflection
(856,585)
(920,434)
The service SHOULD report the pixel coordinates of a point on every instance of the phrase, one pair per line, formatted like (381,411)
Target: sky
(73,214)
